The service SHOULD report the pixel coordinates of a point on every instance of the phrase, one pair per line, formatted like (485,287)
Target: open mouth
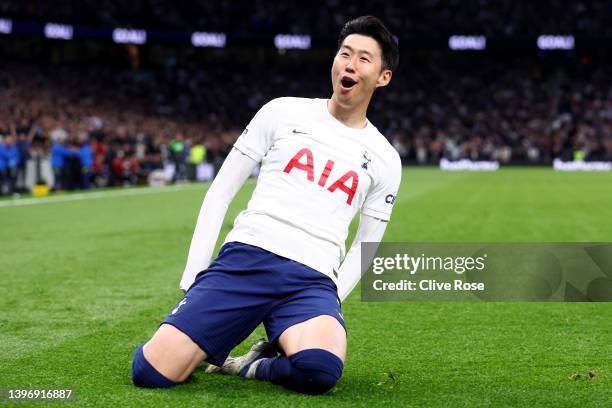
(347,82)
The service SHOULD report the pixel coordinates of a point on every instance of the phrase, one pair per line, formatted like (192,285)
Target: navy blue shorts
(244,287)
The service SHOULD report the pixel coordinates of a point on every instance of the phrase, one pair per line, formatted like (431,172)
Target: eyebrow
(358,51)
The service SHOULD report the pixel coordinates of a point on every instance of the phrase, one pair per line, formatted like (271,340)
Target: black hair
(372,27)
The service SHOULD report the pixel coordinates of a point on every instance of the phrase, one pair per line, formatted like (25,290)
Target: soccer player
(322,161)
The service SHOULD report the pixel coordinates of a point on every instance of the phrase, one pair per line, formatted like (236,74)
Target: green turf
(84,282)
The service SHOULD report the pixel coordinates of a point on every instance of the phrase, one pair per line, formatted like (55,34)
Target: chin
(344,99)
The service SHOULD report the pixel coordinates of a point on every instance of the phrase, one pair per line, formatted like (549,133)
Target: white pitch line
(100,194)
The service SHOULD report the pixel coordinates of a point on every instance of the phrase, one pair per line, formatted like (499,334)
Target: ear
(384,78)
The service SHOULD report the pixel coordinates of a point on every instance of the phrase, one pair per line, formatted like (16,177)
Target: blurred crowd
(99,127)
(520,111)
(107,126)
(414,19)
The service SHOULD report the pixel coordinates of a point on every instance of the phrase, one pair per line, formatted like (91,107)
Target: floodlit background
(99,100)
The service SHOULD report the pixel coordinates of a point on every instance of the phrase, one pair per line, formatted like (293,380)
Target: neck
(351,116)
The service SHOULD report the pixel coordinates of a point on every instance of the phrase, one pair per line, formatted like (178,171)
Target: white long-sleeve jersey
(316,174)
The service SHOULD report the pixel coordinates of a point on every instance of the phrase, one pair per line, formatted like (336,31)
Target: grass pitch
(85,281)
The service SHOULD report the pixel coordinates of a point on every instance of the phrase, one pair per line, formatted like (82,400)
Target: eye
(364,59)
(344,54)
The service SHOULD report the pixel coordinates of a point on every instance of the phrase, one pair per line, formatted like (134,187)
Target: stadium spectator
(197,156)
(2,164)
(99,169)
(23,145)
(59,154)
(177,151)
(10,151)
(86,162)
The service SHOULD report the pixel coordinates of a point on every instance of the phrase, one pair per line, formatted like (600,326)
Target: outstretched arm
(233,173)
(370,230)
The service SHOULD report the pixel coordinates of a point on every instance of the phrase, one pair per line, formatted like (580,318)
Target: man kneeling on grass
(322,161)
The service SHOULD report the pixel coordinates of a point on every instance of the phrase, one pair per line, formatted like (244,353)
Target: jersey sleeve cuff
(376,214)
(246,150)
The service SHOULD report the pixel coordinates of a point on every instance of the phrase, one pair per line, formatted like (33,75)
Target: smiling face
(357,71)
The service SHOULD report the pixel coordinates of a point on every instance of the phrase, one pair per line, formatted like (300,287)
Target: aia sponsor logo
(303,161)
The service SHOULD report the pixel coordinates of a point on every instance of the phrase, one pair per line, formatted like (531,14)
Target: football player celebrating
(321,161)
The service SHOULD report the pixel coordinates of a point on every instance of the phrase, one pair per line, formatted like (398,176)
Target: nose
(349,66)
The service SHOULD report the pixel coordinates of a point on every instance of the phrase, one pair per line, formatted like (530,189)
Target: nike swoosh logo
(297,132)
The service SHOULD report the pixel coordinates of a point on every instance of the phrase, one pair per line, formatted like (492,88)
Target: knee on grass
(315,371)
(145,375)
